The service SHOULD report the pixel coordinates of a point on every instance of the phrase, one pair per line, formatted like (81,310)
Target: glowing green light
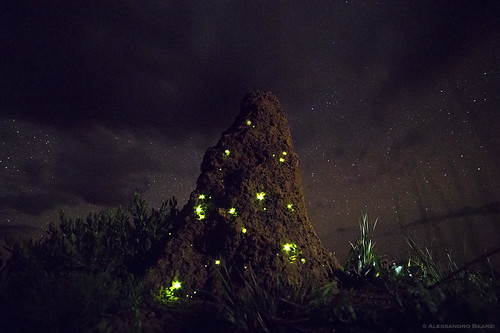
(282,159)
(284,153)
(244,230)
(200,212)
(303,260)
(290,206)
(227,152)
(217,262)
(201,197)
(249,122)
(175,285)
(166,295)
(232,211)
(292,251)
(260,196)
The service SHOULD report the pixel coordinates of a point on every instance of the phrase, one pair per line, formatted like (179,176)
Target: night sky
(393,107)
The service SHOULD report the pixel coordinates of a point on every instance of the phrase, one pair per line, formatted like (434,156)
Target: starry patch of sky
(393,108)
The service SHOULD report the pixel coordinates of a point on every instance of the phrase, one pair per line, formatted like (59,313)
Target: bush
(85,271)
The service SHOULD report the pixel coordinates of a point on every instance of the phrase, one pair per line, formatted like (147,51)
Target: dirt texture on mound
(248,211)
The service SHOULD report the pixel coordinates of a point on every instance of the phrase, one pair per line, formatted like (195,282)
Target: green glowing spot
(249,122)
(166,295)
(260,196)
(244,230)
(200,211)
(284,153)
(217,262)
(227,152)
(201,197)
(303,260)
(282,159)
(232,211)
(175,285)
(290,207)
(292,251)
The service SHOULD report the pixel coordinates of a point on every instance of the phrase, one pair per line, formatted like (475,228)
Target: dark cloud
(92,166)
(429,38)
(140,64)
(178,65)
(33,203)
(491,208)
(101,170)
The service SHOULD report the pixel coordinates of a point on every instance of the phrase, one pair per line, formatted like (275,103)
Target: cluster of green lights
(166,295)
(227,152)
(282,158)
(290,207)
(217,262)
(200,212)
(233,211)
(260,196)
(201,209)
(292,251)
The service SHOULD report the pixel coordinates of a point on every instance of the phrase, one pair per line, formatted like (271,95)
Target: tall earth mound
(248,211)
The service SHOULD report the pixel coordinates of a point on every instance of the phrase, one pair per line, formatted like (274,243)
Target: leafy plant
(362,259)
(84,270)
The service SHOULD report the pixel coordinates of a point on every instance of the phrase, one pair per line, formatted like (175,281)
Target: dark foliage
(85,272)
(87,276)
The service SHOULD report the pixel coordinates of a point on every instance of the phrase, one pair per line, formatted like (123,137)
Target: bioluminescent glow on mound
(200,212)
(175,285)
(166,295)
(292,251)
(260,196)
(233,211)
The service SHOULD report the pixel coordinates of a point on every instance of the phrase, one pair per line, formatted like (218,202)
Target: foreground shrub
(85,271)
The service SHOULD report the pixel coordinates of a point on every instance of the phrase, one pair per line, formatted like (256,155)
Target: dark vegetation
(88,275)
